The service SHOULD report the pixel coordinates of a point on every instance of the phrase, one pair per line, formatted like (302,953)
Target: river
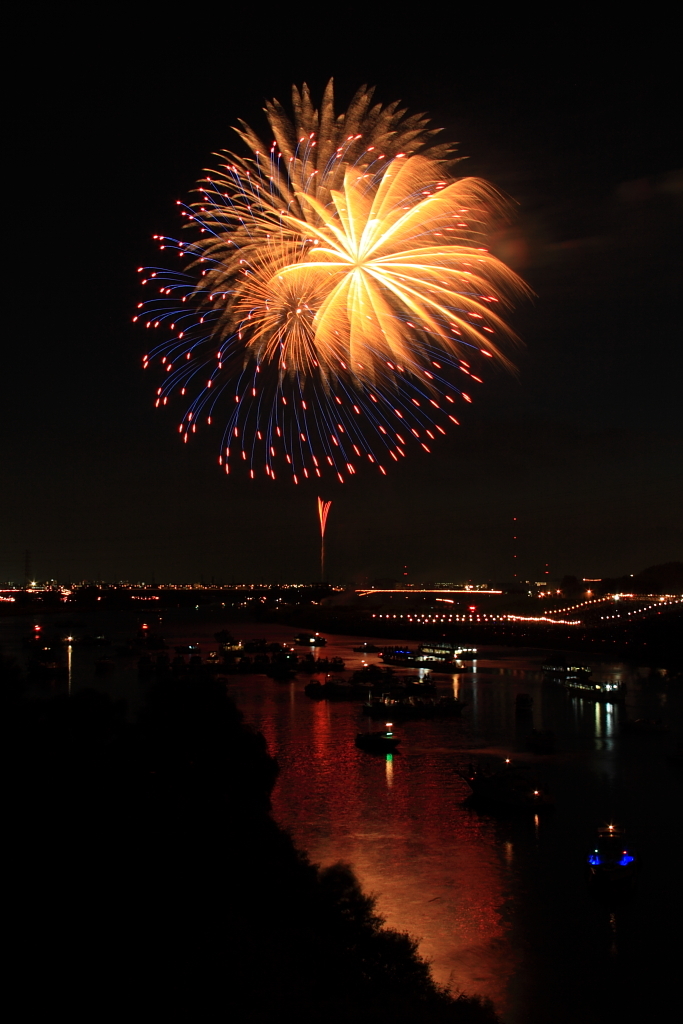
(500,905)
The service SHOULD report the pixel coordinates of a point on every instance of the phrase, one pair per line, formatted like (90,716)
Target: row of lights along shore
(655,604)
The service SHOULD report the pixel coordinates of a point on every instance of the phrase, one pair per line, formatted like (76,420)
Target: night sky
(114,122)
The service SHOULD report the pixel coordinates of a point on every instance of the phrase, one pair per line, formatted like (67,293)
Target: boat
(437,655)
(398,655)
(507,788)
(612,862)
(310,640)
(377,742)
(576,680)
(257,645)
(410,686)
(413,707)
(93,641)
(561,672)
(312,665)
(366,648)
(443,654)
(591,690)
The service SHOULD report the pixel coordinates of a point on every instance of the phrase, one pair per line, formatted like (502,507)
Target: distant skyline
(396,582)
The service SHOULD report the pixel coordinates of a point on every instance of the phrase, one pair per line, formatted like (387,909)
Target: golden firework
(255,210)
(393,263)
(339,281)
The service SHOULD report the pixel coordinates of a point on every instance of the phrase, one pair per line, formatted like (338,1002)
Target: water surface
(500,905)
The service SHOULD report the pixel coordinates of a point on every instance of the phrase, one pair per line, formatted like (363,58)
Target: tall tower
(515,566)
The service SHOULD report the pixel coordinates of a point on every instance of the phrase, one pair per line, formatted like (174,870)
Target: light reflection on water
(499,905)
(399,821)
(609,720)
(389,770)
(69,658)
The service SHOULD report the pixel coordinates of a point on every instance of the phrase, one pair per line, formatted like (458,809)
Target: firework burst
(338,288)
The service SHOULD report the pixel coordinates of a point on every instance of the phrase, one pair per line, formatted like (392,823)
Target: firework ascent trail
(335,298)
(323,512)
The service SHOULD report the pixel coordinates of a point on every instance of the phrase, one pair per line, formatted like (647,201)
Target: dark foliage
(148,877)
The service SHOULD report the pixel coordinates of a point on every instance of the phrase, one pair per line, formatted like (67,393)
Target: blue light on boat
(594,859)
(626,859)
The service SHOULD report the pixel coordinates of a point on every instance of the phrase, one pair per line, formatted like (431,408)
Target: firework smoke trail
(338,287)
(323,512)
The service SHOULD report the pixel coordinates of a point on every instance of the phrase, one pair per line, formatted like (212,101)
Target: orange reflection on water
(439,870)
(433,864)
(321,727)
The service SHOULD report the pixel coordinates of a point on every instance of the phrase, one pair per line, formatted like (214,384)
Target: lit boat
(509,788)
(443,654)
(310,640)
(440,655)
(611,862)
(576,680)
(590,690)
(377,742)
(561,672)
(398,655)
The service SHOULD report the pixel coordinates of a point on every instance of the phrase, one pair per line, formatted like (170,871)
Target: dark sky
(114,120)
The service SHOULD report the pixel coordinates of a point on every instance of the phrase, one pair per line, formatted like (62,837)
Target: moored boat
(576,680)
(612,862)
(310,640)
(414,707)
(440,655)
(590,690)
(377,742)
(562,672)
(508,788)
(398,655)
